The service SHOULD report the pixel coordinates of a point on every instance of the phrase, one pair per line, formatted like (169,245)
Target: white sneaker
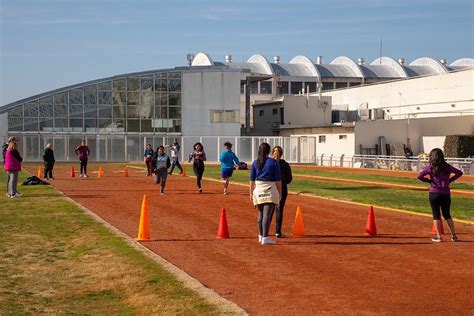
(268,241)
(18,194)
(14,196)
(260,238)
(7,195)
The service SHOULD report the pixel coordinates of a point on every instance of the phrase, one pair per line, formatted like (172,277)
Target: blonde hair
(12,145)
(277,152)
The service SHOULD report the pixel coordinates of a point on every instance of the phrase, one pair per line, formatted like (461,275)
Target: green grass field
(56,259)
(375,178)
(461,208)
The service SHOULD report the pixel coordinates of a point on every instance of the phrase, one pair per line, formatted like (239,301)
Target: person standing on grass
(227,159)
(265,190)
(175,147)
(198,155)
(148,156)
(286,178)
(12,167)
(439,172)
(161,163)
(83,152)
(48,158)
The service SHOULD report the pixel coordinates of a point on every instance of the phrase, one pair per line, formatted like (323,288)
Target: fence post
(330,160)
(342,161)
(352,161)
(322,159)
(253,149)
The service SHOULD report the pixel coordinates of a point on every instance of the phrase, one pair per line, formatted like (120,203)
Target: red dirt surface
(335,269)
(395,173)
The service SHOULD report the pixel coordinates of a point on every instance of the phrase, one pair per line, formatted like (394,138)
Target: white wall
(417,97)
(336,146)
(397,131)
(301,111)
(203,91)
(431,142)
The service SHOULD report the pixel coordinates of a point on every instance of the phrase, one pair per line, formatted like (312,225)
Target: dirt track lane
(334,270)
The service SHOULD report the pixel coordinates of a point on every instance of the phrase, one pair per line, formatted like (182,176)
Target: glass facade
(142,103)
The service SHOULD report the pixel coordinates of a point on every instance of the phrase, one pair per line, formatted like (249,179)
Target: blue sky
(48,44)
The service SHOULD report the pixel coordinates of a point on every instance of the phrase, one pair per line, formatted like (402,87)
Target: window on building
(310,86)
(275,111)
(342,136)
(261,113)
(265,87)
(254,88)
(322,139)
(242,89)
(296,87)
(352,84)
(340,85)
(282,87)
(225,116)
(328,86)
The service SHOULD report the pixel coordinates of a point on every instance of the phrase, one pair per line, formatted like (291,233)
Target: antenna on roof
(380,59)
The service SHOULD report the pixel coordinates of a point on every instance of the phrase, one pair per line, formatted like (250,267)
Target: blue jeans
(177,164)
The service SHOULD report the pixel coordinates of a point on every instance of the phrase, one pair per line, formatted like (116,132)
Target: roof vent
(361,61)
(228,59)
(444,61)
(189,58)
(276,59)
(401,61)
(319,60)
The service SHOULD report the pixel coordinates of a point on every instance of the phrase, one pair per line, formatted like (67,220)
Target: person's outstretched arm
(423,173)
(457,174)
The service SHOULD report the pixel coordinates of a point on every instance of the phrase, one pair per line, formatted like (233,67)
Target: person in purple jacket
(439,172)
(83,152)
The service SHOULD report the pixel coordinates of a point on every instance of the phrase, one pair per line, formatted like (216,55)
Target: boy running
(227,159)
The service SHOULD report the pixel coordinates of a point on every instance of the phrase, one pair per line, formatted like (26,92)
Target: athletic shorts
(226,173)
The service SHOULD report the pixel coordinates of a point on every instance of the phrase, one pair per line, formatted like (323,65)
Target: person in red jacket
(12,167)
(83,152)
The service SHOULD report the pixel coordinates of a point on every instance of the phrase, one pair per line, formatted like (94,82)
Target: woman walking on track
(286,178)
(148,156)
(439,172)
(199,157)
(161,163)
(265,189)
(48,158)
(12,167)
(175,147)
(83,152)
(227,159)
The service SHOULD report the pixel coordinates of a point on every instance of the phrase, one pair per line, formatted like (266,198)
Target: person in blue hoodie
(148,157)
(227,159)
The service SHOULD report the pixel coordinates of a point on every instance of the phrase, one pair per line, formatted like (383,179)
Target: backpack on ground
(34,180)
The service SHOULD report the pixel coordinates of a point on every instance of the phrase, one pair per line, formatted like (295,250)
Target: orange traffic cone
(40,173)
(298,228)
(144,226)
(183,174)
(100,173)
(73,173)
(223,231)
(371,229)
(441,228)
(125,172)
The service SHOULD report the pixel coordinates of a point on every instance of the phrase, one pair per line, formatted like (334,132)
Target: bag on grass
(242,166)
(34,180)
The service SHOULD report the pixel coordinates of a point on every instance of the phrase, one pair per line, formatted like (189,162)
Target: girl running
(439,172)
(286,178)
(148,156)
(199,157)
(161,163)
(227,158)
(265,189)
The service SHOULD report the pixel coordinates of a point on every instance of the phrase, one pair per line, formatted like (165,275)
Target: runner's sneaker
(268,241)
(437,239)
(280,235)
(200,190)
(225,192)
(454,238)
(15,196)
(18,194)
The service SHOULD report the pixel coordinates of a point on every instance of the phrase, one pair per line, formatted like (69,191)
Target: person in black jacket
(48,158)
(286,178)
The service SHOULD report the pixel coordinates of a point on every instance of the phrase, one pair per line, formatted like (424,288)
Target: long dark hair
(198,143)
(437,162)
(263,152)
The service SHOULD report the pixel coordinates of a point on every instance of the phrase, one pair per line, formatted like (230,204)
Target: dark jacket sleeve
(15,153)
(290,174)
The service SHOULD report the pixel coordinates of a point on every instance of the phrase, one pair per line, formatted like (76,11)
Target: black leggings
(48,169)
(279,209)
(440,200)
(198,171)
(83,166)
